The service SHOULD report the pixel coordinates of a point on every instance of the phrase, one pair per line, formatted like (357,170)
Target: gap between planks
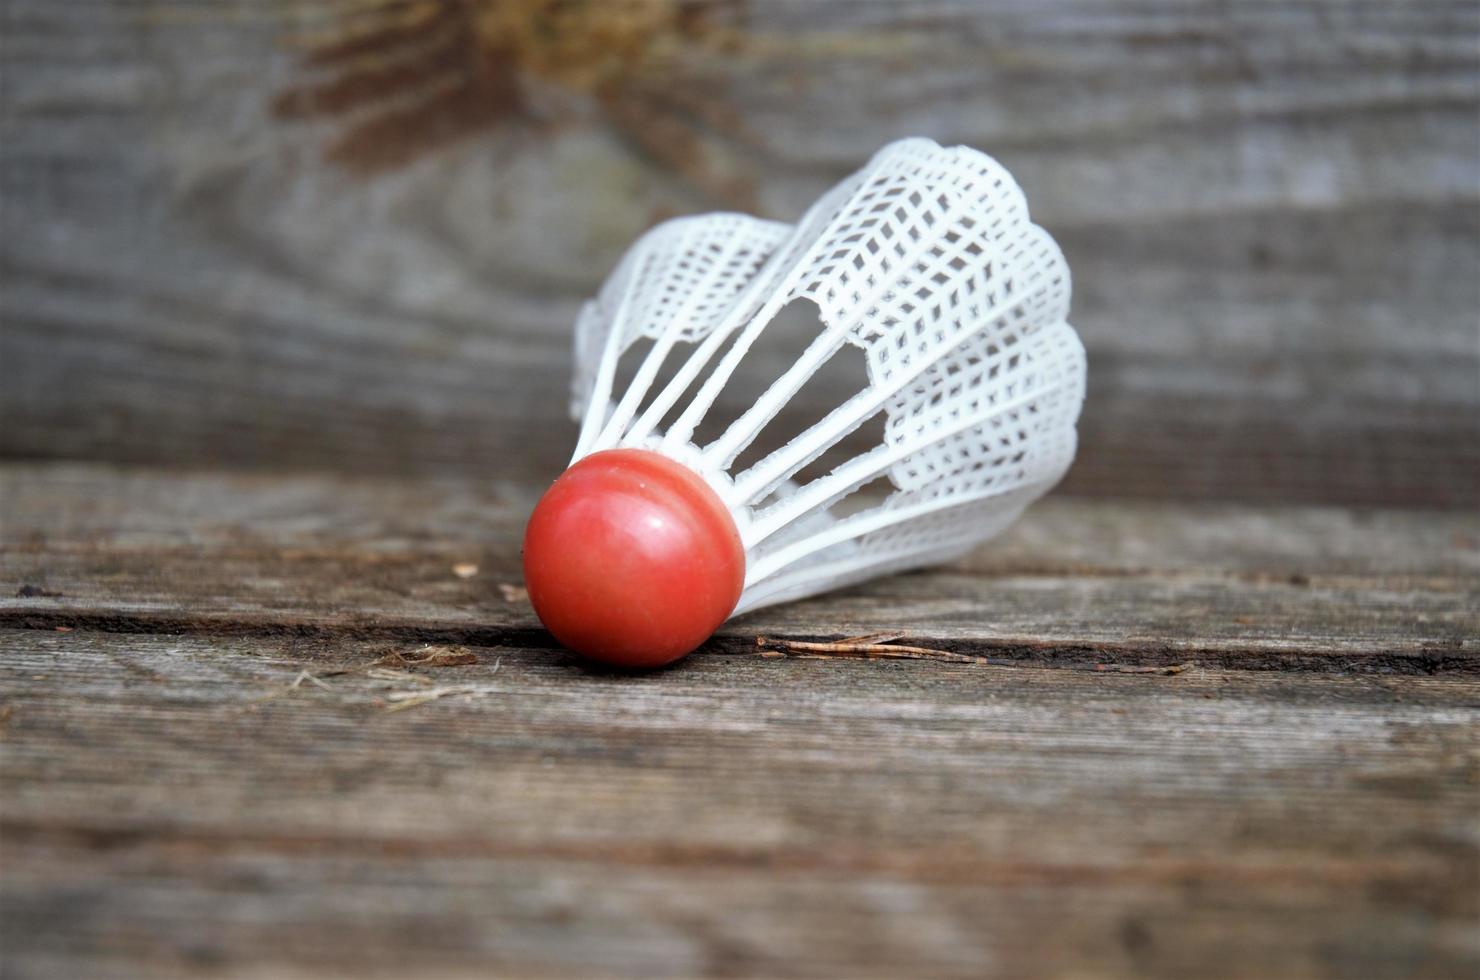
(1126,656)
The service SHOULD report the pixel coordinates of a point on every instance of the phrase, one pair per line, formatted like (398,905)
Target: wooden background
(286,289)
(353,233)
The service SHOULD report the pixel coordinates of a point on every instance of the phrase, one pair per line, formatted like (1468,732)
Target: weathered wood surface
(1076,581)
(1272,211)
(173,806)
(200,773)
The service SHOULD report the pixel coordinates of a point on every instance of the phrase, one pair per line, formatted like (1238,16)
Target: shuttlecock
(927,261)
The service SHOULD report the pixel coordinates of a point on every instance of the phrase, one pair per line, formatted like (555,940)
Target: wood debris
(429,656)
(405,690)
(885,646)
(396,688)
(304,675)
(873,645)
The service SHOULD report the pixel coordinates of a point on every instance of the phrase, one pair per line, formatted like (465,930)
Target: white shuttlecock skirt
(927,261)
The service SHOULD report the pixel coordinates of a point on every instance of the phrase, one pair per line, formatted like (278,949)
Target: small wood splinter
(429,656)
(882,645)
(870,645)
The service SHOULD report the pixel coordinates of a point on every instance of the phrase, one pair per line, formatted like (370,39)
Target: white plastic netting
(926,261)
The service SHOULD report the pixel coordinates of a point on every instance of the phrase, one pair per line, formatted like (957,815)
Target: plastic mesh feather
(925,260)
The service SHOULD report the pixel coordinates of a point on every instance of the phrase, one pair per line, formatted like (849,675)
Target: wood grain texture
(1272,211)
(1075,582)
(214,759)
(173,806)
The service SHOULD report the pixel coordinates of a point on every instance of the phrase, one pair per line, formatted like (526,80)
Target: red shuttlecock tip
(631,559)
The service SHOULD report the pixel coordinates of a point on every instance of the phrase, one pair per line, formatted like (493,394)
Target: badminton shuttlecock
(927,261)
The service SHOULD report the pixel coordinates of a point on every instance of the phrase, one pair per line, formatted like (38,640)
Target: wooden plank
(1272,211)
(174,805)
(1076,582)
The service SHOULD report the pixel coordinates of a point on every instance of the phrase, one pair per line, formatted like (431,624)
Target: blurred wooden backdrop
(353,234)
